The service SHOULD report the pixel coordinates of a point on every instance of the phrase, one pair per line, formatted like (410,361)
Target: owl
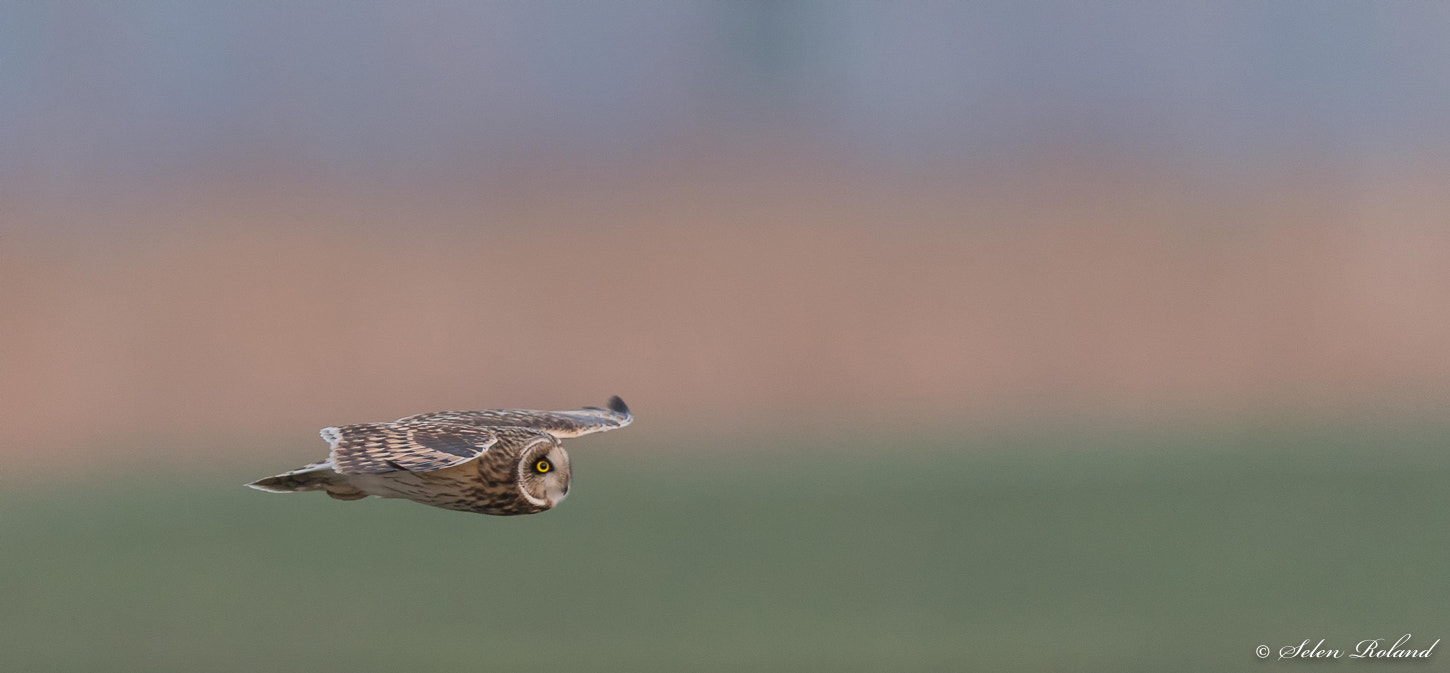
(494,461)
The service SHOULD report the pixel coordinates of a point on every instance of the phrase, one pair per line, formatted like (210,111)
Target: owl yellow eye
(543,466)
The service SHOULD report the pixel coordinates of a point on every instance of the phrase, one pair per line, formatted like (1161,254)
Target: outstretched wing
(369,448)
(561,424)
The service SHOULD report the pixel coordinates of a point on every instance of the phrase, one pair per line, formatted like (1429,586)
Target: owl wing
(560,424)
(370,448)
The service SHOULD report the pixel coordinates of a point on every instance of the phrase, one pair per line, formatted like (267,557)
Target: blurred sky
(128,95)
(233,218)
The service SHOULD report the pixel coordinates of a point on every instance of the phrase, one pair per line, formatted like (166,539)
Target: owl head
(542,473)
(525,472)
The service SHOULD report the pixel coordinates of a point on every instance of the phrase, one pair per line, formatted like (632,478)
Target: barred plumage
(492,461)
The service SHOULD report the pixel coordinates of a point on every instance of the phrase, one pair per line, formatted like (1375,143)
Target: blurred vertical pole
(772,63)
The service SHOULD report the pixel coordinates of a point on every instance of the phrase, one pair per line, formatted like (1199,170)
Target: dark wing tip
(618,406)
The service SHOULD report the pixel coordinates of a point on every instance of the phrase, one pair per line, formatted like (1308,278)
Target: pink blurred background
(247,222)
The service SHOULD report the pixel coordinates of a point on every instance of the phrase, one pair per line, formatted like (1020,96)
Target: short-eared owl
(494,461)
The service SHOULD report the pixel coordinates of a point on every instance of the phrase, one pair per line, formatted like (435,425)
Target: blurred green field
(1055,551)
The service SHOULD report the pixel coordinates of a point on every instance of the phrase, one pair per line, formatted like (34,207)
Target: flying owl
(494,461)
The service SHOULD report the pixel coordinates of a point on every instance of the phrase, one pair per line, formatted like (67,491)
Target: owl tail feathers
(314,477)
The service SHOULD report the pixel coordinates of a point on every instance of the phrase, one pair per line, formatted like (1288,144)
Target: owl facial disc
(543,474)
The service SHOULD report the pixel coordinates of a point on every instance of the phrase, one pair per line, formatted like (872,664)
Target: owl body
(494,461)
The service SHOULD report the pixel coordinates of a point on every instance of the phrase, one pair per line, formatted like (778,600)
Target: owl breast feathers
(493,461)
